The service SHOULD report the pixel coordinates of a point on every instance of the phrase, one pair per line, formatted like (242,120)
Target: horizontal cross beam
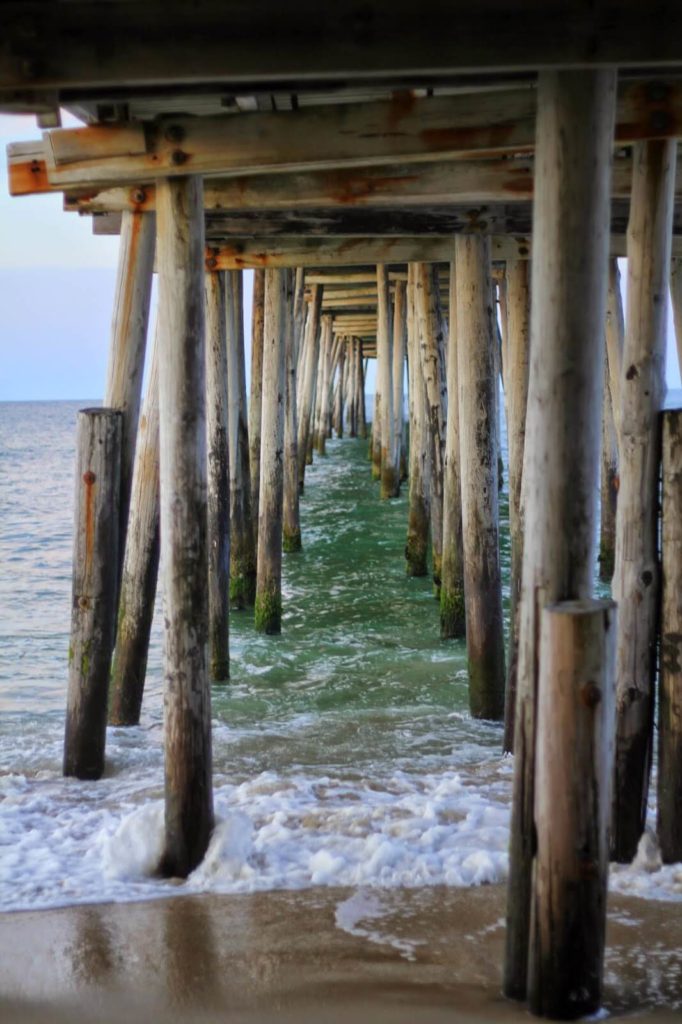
(317,138)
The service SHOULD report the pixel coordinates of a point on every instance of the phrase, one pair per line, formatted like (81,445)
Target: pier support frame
(242,531)
(218,500)
(670,687)
(416,548)
(184,556)
(478,379)
(140,564)
(123,389)
(94,589)
(636,583)
(268,611)
(515,306)
(452,614)
(390,469)
(574,134)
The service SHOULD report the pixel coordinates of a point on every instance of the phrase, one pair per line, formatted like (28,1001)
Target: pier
(445,194)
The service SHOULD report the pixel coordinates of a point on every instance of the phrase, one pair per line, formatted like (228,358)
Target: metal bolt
(174,133)
(178,157)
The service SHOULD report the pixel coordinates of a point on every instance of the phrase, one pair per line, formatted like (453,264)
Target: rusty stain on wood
(89,479)
(28,178)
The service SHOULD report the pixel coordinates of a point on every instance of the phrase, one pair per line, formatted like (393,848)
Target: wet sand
(431,955)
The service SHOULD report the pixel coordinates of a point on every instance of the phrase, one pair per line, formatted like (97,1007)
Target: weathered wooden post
(268,611)
(516,313)
(431,352)
(399,351)
(184,557)
(452,617)
(256,392)
(670,687)
(390,465)
(608,487)
(218,489)
(307,383)
(140,564)
(477,373)
(291,520)
(324,386)
(574,133)
(636,575)
(362,376)
(340,392)
(123,388)
(615,337)
(575,739)
(615,330)
(676,297)
(351,389)
(416,547)
(242,533)
(94,589)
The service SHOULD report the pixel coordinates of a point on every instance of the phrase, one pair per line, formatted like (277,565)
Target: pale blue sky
(56,293)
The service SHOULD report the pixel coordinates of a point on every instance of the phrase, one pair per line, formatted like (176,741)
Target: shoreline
(333,954)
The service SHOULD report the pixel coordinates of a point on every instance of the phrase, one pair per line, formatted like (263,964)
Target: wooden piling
(516,315)
(307,383)
(362,376)
(615,337)
(452,616)
(123,387)
(242,533)
(431,354)
(636,575)
(324,386)
(340,391)
(268,610)
(94,589)
(399,353)
(608,487)
(416,547)
(676,298)
(256,392)
(574,133)
(140,565)
(477,372)
(390,468)
(184,557)
(575,745)
(670,687)
(291,520)
(218,487)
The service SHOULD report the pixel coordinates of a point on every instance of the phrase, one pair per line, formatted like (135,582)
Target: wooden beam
(331,137)
(88,46)
(320,252)
(312,252)
(501,179)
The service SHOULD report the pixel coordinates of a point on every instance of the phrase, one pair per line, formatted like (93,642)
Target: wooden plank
(87,45)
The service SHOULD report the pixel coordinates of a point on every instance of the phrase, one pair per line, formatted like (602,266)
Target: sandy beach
(401,955)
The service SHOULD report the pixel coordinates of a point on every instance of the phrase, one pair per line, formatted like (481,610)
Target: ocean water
(344,753)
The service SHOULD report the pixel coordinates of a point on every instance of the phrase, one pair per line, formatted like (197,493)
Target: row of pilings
(215,483)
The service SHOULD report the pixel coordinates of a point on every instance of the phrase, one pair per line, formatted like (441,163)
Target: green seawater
(359,665)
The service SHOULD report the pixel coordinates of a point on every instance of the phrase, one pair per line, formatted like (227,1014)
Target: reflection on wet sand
(379,955)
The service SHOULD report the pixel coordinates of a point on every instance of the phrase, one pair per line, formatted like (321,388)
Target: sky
(57,291)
